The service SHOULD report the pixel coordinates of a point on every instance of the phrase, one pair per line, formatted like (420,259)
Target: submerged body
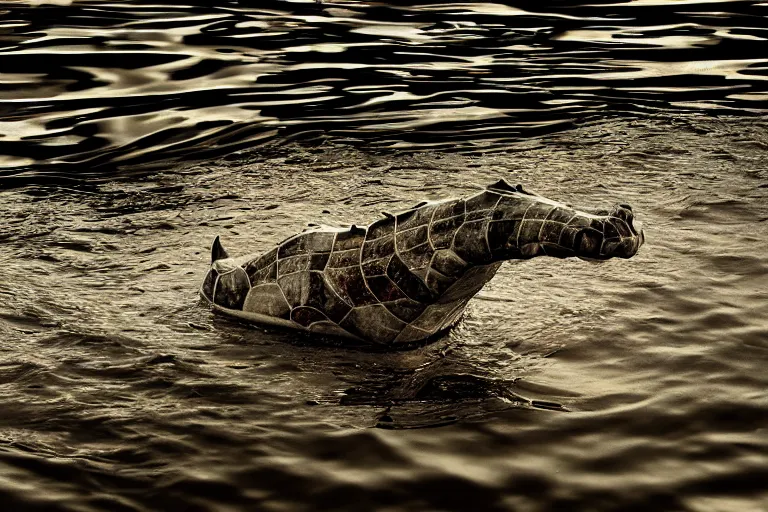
(408,276)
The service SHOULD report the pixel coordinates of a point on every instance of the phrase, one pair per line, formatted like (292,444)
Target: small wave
(124,87)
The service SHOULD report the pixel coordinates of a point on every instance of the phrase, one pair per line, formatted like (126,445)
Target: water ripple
(94,87)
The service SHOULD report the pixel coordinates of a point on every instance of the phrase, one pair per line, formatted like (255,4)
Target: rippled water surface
(132,133)
(94,85)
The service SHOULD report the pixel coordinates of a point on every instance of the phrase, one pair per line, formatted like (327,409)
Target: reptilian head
(525,225)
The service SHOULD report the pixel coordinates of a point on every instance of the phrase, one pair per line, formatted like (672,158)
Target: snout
(623,234)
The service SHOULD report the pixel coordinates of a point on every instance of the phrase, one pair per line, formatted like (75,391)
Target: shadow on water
(431,385)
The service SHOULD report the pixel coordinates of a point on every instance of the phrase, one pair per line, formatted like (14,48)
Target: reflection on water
(94,85)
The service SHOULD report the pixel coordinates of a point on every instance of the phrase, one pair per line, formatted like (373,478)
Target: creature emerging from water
(409,276)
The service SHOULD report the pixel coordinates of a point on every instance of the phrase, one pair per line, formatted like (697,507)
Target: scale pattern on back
(382,282)
(408,276)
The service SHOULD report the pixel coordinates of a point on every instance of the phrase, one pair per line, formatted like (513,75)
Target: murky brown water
(120,390)
(90,86)
(630,385)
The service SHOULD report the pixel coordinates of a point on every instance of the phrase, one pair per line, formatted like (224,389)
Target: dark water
(91,86)
(635,385)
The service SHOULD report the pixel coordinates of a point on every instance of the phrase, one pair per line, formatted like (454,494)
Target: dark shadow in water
(416,387)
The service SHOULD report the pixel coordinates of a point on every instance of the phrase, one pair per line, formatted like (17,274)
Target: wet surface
(91,86)
(632,383)
(628,385)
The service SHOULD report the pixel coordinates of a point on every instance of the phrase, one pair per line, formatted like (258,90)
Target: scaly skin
(407,277)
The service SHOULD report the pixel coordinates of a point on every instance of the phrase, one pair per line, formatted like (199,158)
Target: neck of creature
(523,228)
(490,228)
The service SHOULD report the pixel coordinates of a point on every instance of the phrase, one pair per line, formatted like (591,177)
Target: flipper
(217,251)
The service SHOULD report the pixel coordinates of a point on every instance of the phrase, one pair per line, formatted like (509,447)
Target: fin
(419,205)
(388,215)
(504,186)
(356,230)
(217,251)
